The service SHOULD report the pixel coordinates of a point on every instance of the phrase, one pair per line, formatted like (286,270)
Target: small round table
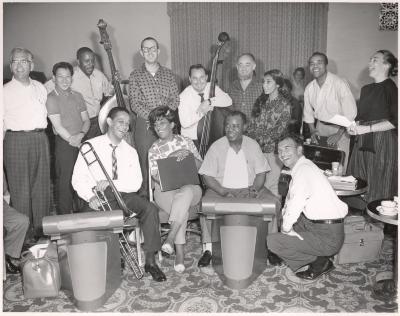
(361,188)
(387,288)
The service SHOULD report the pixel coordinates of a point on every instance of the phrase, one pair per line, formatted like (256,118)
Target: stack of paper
(343,183)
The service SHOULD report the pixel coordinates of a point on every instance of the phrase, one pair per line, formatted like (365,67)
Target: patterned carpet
(347,289)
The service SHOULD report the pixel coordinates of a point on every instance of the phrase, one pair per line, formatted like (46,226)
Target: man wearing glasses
(195,102)
(150,86)
(26,147)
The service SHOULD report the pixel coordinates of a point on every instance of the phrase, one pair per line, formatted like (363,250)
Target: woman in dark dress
(374,156)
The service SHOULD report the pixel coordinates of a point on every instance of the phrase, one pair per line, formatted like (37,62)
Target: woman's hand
(180,154)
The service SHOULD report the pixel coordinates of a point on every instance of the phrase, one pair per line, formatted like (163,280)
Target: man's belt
(36,130)
(327,221)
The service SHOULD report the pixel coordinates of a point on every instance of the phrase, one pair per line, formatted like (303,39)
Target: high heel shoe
(167,248)
(179,267)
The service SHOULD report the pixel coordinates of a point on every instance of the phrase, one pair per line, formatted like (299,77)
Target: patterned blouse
(271,123)
(161,151)
(147,92)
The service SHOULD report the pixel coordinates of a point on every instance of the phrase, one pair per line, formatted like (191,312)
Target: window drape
(280,35)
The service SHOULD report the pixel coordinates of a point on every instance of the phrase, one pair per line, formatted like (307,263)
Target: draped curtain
(280,35)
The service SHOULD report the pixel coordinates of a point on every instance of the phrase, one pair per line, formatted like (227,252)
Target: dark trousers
(147,214)
(94,129)
(65,161)
(319,240)
(27,164)
(144,138)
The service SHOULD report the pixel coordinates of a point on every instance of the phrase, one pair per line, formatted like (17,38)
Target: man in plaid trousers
(26,147)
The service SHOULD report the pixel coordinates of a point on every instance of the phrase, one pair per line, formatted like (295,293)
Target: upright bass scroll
(119,99)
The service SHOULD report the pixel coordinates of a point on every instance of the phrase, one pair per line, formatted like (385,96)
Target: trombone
(126,250)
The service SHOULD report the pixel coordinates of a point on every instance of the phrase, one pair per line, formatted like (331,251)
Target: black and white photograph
(200,157)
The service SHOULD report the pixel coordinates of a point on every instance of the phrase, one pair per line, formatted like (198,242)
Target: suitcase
(362,241)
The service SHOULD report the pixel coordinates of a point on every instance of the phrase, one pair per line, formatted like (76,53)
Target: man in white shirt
(234,166)
(195,102)
(324,97)
(121,162)
(26,147)
(312,228)
(92,84)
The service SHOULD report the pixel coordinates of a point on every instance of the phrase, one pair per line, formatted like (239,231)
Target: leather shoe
(205,259)
(312,273)
(274,260)
(155,272)
(11,268)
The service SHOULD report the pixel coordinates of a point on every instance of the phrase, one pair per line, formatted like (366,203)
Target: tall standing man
(26,147)
(247,88)
(195,102)
(324,97)
(92,84)
(150,86)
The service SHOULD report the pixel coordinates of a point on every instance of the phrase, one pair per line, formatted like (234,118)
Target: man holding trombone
(120,161)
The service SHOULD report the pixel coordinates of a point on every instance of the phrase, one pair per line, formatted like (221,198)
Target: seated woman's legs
(177,204)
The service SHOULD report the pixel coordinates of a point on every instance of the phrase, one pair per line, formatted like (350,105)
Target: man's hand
(180,154)
(315,137)
(102,185)
(94,203)
(334,138)
(75,140)
(293,233)
(358,129)
(204,107)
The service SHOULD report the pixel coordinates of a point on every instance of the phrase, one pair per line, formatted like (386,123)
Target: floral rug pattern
(348,288)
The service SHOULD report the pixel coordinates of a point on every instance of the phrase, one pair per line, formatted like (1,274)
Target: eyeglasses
(152,49)
(22,62)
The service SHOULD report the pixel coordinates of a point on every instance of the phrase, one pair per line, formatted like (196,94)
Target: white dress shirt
(128,167)
(311,193)
(334,97)
(92,88)
(190,102)
(24,106)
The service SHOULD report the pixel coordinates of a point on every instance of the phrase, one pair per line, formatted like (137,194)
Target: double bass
(211,126)
(119,99)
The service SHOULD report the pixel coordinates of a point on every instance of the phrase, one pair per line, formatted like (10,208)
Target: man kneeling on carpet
(312,229)
(234,166)
(121,161)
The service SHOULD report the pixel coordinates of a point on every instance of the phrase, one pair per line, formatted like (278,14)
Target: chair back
(323,156)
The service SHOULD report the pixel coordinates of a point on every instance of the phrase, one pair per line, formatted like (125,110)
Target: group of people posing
(261,135)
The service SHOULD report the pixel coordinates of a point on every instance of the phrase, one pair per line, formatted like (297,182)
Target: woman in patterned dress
(175,202)
(374,156)
(270,120)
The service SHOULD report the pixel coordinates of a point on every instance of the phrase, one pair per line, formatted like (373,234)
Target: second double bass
(211,126)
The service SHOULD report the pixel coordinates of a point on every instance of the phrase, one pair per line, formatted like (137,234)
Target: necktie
(201,97)
(114,163)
